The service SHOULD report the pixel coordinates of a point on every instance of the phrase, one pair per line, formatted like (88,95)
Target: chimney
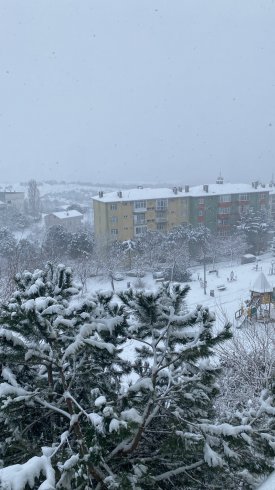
(119,194)
(175,190)
(186,188)
(205,187)
(219,180)
(140,186)
(100,194)
(180,188)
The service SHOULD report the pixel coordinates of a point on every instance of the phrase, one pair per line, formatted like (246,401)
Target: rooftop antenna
(220,178)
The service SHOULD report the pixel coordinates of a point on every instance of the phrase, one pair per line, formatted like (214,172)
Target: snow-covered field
(224,303)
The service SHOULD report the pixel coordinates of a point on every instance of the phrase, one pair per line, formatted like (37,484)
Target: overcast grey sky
(137,90)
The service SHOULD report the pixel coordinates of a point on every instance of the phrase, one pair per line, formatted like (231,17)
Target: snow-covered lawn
(224,302)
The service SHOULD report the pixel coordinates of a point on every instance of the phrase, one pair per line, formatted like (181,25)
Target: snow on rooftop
(138,194)
(217,189)
(165,193)
(261,285)
(67,214)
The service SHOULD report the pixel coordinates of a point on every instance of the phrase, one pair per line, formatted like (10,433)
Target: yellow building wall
(107,218)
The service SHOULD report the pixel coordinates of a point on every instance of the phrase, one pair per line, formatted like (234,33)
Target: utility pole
(204,272)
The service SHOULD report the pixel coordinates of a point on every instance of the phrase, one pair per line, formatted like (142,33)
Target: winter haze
(126,91)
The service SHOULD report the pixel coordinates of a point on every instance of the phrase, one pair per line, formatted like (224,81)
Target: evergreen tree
(81,244)
(256,226)
(7,242)
(50,371)
(57,242)
(105,416)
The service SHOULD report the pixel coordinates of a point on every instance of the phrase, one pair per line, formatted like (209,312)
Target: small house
(70,220)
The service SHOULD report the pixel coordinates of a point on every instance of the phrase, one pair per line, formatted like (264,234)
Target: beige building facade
(128,214)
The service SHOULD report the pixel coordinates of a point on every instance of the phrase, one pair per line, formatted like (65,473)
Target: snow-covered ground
(224,303)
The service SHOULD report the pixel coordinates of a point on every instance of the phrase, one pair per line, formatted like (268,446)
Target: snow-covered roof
(164,193)
(67,214)
(138,194)
(262,285)
(227,188)
(2,203)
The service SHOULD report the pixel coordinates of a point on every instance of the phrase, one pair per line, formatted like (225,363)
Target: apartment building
(219,206)
(128,214)
(15,199)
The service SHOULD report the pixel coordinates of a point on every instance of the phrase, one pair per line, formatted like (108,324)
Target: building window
(113,206)
(114,219)
(262,196)
(224,210)
(139,230)
(201,200)
(225,198)
(243,197)
(223,233)
(139,219)
(161,204)
(200,212)
(161,226)
(114,231)
(124,203)
(140,204)
(126,216)
(243,209)
(161,214)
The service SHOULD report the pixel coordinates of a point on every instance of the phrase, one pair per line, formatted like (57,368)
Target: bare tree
(83,268)
(248,360)
(233,247)
(33,198)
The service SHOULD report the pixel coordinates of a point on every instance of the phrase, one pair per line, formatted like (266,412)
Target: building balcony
(139,210)
(139,222)
(163,219)
(162,208)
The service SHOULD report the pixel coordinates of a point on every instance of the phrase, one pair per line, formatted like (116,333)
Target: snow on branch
(17,476)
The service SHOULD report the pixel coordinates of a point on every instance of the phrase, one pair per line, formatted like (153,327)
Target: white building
(70,220)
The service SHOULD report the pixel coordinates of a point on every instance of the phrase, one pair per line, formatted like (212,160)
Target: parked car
(118,277)
(135,273)
(248,258)
(157,275)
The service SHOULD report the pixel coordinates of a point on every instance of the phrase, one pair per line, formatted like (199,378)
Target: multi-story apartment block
(128,214)
(272,200)
(15,199)
(219,206)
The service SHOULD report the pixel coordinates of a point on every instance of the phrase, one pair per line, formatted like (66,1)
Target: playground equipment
(258,308)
